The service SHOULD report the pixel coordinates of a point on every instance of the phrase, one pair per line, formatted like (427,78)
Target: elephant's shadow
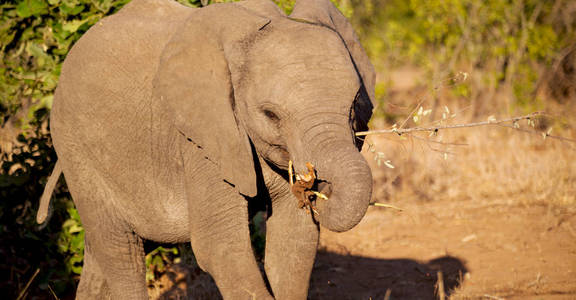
(337,276)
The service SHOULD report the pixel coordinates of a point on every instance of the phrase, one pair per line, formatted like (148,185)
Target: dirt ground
(493,250)
(484,251)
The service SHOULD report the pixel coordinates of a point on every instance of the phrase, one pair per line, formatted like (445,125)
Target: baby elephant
(172,123)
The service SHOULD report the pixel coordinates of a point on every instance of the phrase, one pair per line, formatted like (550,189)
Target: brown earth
(484,251)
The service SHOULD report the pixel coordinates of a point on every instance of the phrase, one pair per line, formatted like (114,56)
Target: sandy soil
(484,251)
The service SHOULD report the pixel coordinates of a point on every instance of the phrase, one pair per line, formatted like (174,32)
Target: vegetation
(479,57)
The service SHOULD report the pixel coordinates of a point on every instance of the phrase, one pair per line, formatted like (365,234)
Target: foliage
(35,36)
(503,44)
(25,245)
(71,241)
(157,261)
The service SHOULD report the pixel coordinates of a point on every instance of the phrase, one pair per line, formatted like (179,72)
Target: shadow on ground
(337,276)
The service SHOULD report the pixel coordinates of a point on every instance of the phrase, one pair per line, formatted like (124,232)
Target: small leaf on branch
(389,164)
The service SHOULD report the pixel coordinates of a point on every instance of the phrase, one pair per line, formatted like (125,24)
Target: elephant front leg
(291,242)
(220,235)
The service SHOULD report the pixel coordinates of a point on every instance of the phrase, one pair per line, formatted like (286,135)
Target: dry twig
(440,286)
(23,292)
(434,129)
(402,131)
(386,206)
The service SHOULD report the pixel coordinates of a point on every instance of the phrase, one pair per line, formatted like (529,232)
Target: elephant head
(283,87)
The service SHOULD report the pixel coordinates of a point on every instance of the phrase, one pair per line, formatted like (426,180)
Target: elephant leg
(93,281)
(116,253)
(220,235)
(291,243)
(120,255)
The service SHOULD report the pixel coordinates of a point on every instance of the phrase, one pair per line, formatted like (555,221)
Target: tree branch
(401,131)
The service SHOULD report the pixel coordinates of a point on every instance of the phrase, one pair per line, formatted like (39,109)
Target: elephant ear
(323,12)
(193,81)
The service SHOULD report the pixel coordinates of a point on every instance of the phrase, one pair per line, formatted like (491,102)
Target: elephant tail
(47,195)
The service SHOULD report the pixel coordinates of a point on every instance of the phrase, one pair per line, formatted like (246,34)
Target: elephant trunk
(344,175)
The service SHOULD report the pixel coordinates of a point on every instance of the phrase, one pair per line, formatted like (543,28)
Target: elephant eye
(271,115)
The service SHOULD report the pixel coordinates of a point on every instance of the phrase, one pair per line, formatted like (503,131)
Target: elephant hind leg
(119,255)
(93,281)
(113,251)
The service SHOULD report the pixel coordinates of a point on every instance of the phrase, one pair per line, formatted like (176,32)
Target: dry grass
(495,163)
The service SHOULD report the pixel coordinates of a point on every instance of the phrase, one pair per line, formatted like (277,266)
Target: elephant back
(103,112)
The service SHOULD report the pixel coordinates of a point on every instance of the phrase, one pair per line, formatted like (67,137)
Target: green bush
(35,36)
(505,45)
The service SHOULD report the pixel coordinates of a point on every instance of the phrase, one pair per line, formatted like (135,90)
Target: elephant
(174,124)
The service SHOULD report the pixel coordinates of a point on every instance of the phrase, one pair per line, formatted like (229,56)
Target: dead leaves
(301,186)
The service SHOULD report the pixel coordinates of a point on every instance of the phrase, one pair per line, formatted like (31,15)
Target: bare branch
(402,131)
(544,134)
(438,142)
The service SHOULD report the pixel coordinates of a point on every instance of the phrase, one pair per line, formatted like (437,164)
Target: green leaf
(73,26)
(74,264)
(29,8)
(71,8)
(35,50)
(77,243)
(68,223)
(75,229)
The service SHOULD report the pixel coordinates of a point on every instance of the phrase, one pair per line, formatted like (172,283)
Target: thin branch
(402,131)
(23,292)
(386,206)
(543,134)
(411,113)
(53,293)
(438,142)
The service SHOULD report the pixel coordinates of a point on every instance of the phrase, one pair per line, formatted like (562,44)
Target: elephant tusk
(290,172)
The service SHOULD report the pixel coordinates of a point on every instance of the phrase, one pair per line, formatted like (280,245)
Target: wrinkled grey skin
(170,122)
